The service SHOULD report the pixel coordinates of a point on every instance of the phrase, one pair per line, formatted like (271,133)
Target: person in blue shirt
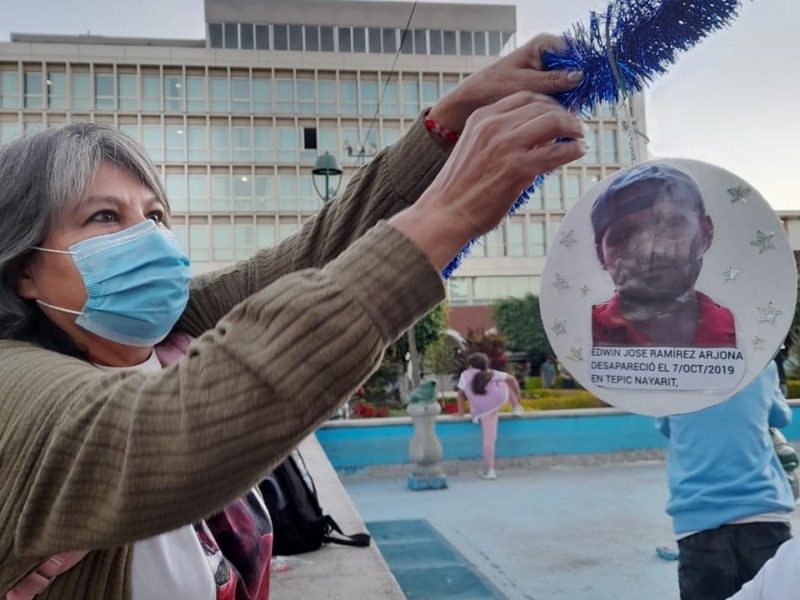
(729,497)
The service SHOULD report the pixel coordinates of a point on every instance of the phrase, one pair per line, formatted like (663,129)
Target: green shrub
(794,388)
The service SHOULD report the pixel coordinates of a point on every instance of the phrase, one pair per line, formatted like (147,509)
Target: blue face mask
(137,282)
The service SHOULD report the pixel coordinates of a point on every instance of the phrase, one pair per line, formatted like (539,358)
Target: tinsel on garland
(621,51)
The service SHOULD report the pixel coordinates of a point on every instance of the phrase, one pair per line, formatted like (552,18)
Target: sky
(730,101)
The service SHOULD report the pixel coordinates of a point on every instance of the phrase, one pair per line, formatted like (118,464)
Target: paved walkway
(558,533)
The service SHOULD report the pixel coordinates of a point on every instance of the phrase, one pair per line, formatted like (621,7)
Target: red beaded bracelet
(434,127)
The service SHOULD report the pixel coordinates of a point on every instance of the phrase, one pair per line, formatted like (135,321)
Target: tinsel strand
(623,51)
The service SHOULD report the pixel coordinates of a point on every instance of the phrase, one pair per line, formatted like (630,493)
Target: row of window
(243,193)
(259,94)
(346,39)
(485,290)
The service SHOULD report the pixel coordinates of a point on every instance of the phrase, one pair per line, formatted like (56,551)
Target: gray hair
(43,176)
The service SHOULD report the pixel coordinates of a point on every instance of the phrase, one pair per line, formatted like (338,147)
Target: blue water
(426,565)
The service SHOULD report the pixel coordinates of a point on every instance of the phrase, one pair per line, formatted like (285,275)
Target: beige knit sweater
(90,460)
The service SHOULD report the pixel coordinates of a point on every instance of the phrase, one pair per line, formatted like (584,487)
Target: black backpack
(298,523)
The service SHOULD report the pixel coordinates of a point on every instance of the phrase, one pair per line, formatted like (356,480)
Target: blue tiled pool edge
(352,445)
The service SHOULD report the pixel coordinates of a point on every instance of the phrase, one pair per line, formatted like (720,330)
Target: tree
(440,360)
(392,372)
(520,320)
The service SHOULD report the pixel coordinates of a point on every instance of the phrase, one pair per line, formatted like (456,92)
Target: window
(242,144)
(516,237)
(231,35)
(287,229)
(262,98)
(430,92)
(8,131)
(326,38)
(449,42)
(215,35)
(56,90)
(264,195)
(34,89)
(240,94)
(573,190)
(243,240)
(222,241)
(197,141)
(242,193)
(309,138)
(592,153)
(219,94)
(326,97)
(280,35)
(104,91)
(389,38)
(220,143)
(536,242)
(535,200)
(308,198)
(262,37)
(420,41)
(610,147)
(151,138)
(306,103)
(80,91)
(495,43)
(198,242)
(435,39)
(198,193)
(390,135)
(407,42)
(284,96)
(177,192)
(374,36)
(389,102)
(552,192)
(312,38)
(296,38)
(262,144)
(479,44)
(176,143)
(411,105)
(348,98)
(173,92)
(126,92)
(459,290)
(196,93)
(345,42)
(9,89)
(287,144)
(151,92)
(220,193)
(495,242)
(359,39)
(246,36)
(287,193)
(465,37)
(369,96)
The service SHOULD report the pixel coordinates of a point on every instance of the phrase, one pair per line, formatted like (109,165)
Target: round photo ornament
(668,287)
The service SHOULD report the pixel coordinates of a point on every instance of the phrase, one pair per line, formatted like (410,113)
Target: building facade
(235,121)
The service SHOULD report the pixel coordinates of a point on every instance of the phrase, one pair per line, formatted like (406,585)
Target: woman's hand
(519,71)
(503,148)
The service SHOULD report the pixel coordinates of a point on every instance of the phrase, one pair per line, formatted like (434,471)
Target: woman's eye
(156,216)
(104,216)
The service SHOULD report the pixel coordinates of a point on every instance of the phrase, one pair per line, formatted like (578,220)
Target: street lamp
(326,167)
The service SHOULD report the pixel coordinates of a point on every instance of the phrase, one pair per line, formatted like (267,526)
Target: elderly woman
(126,453)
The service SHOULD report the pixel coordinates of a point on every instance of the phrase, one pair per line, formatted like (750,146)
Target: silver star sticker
(768,313)
(560,282)
(758,343)
(730,274)
(575,354)
(568,239)
(763,241)
(585,290)
(739,193)
(558,327)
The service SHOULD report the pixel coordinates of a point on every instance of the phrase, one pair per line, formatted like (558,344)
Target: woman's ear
(25,282)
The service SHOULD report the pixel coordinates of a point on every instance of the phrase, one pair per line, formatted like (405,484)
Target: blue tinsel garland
(622,51)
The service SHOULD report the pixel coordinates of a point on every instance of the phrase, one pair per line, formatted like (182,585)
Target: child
(487,390)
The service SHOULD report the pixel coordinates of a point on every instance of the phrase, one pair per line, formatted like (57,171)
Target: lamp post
(326,167)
